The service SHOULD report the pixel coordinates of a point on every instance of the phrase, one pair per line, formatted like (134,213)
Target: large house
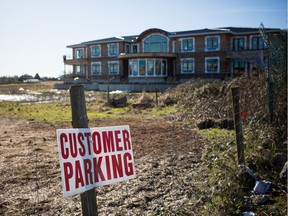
(157,59)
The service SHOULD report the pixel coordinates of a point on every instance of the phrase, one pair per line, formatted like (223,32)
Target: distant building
(157,59)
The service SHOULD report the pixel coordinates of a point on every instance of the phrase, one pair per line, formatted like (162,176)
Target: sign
(92,157)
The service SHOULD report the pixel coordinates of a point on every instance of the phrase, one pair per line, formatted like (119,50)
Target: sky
(34,33)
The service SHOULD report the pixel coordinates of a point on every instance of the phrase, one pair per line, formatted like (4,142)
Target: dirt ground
(167,158)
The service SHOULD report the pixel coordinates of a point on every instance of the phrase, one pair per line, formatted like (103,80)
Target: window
(135,68)
(95,68)
(113,67)
(187,45)
(135,48)
(127,48)
(155,43)
(187,65)
(142,67)
(112,49)
(95,51)
(238,67)
(79,53)
(148,67)
(79,69)
(212,43)
(238,44)
(212,65)
(257,43)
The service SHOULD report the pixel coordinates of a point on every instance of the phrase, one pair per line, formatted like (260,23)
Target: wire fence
(32,186)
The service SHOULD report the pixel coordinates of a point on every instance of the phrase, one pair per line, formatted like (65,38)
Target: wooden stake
(80,120)
(238,124)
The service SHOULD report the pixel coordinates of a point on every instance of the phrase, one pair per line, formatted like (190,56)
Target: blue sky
(35,33)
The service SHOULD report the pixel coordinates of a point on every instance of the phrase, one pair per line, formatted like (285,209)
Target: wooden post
(238,124)
(157,97)
(80,120)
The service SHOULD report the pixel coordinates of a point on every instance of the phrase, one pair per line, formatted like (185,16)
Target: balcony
(69,60)
(252,54)
(147,55)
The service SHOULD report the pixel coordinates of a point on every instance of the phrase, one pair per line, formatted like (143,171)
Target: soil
(167,156)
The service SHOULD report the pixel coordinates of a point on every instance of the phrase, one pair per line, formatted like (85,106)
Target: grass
(61,111)
(38,112)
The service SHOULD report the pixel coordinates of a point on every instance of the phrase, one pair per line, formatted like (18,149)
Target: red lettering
(117,140)
(73,144)
(68,173)
(117,166)
(108,142)
(97,169)
(64,151)
(87,135)
(88,171)
(108,169)
(126,139)
(82,147)
(128,165)
(78,175)
(96,144)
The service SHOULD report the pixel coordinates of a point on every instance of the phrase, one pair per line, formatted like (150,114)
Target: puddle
(22,97)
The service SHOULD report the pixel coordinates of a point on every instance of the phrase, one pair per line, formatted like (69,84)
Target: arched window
(155,43)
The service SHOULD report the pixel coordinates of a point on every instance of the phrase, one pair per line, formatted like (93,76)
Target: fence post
(80,120)
(238,124)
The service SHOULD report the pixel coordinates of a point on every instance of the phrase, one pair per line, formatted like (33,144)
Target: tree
(37,76)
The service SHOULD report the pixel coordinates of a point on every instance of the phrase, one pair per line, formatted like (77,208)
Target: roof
(206,31)
(198,32)
(245,30)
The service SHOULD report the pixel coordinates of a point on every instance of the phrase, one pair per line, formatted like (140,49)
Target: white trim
(168,40)
(78,57)
(137,45)
(96,63)
(219,44)
(193,44)
(238,37)
(82,69)
(193,65)
(218,66)
(129,48)
(91,47)
(146,67)
(174,46)
(250,41)
(108,46)
(113,62)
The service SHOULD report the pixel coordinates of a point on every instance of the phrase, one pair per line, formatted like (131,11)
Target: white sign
(92,157)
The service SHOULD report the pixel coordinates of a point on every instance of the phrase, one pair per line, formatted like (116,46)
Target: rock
(208,123)
(119,102)
(284,171)
(260,199)
(142,105)
(226,124)
(279,161)
(265,153)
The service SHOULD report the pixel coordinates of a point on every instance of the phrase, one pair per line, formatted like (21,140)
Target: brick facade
(165,57)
